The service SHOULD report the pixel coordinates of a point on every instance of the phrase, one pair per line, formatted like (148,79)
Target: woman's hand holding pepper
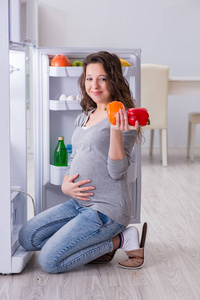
(74,189)
(122,122)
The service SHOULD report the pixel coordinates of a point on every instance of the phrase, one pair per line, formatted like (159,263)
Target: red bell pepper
(139,114)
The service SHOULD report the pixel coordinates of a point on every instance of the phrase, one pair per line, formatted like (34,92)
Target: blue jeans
(69,236)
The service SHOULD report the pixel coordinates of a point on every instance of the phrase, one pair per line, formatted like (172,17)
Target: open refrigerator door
(18,28)
(13,150)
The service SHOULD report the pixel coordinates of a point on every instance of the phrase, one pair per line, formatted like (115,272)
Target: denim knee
(25,238)
(46,263)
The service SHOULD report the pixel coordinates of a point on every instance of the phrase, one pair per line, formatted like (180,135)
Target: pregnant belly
(89,169)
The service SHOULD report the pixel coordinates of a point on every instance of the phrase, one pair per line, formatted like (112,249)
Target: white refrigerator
(51,118)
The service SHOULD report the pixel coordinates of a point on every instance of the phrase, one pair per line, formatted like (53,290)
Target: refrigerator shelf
(128,71)
(65,105)
(65,71)
(57,174)
(77,71)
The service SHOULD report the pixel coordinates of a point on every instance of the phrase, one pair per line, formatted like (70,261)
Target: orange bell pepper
(112,109)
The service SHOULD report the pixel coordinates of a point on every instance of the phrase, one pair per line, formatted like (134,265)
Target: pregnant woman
(92,225)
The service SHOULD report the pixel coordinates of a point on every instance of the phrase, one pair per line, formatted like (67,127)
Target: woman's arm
(116,149)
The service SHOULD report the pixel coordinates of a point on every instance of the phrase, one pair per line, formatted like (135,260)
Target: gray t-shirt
(90,160)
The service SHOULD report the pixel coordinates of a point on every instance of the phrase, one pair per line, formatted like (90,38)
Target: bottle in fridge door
(69,152)
(60,153)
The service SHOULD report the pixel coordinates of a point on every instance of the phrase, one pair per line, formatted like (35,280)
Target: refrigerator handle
(13,69)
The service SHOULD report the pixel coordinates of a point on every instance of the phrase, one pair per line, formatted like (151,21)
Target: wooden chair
(194,118)
(154,97)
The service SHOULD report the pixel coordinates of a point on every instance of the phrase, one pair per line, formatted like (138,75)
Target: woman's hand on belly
(76,189)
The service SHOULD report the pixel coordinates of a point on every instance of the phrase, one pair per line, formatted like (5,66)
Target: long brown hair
(117,85)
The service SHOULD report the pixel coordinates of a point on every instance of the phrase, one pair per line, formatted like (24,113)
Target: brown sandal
(136,257)
(104,258)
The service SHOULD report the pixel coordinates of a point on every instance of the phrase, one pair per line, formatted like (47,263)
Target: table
(184,86)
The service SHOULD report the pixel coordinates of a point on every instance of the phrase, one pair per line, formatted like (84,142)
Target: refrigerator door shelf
(57,174)
(77,71)
(65,105)
(14,237)
(19,260)
(18,217)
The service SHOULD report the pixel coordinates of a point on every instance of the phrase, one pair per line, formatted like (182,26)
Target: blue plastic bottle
(69,152)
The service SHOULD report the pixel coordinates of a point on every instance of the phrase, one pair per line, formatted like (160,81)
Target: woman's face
(96,84)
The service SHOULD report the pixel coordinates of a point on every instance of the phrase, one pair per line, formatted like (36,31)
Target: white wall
(167,31)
